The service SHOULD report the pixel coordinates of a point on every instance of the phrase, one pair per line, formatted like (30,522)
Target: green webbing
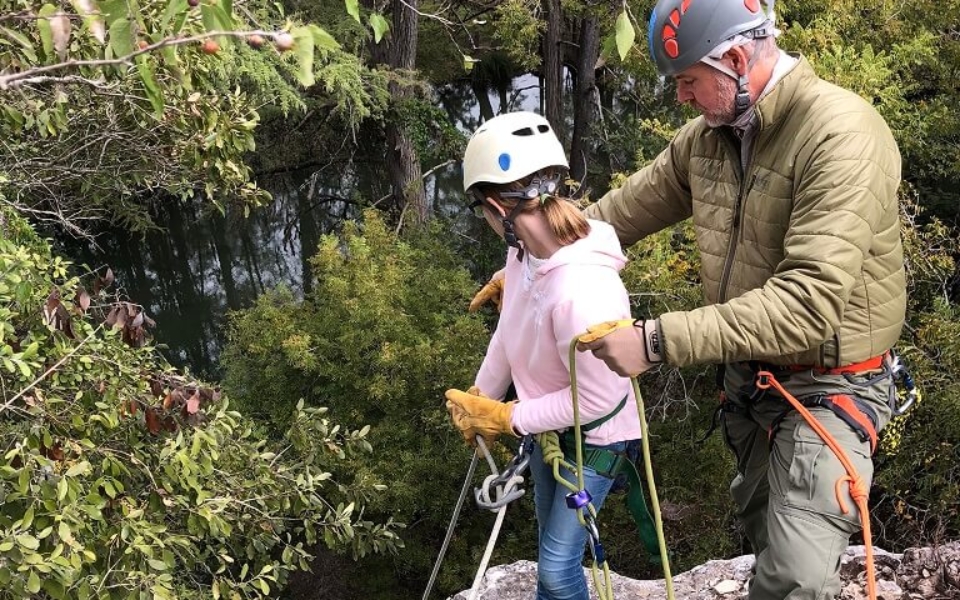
(637,505)
(610,464)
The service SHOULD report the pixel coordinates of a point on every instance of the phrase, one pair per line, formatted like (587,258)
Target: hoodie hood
(600,248)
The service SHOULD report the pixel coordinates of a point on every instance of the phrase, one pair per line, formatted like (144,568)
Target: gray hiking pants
(785,486)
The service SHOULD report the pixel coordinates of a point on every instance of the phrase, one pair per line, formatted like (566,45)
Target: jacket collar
(774,107)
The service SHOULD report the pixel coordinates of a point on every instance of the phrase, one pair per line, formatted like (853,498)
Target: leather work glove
(474,414)
(491,292)
(629,347)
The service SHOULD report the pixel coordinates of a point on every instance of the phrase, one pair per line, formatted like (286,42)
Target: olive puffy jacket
(801,255)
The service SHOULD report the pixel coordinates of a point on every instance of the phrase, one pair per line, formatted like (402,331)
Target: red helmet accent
(672,48)
(684,6)
(675,17)
(752,5)
(669,32)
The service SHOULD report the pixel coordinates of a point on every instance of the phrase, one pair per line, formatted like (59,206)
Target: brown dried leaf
(108,278)
(168,401)
(193,404)
(62,320)
(152,420)
(137,320)
(83,300)
(111,319)
(50,306)
(60,28)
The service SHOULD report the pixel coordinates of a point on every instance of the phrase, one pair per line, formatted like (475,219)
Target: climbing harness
(579,498)
(858,488)
(502,487)
(857,414)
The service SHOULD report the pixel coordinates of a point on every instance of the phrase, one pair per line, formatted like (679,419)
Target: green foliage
(114,485)
(382,336)
(517,27)
(902,59)
(918,474)
(153,105)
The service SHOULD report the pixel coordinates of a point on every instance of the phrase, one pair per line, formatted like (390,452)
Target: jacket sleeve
(654,197)
(846,182)
(599,389)
(494,376)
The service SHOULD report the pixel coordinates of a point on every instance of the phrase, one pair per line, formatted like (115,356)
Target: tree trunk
(483,99)
(403,160)
(553,67)
(583,99)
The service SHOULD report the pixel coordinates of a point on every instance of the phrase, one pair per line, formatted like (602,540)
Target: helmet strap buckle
(743,95)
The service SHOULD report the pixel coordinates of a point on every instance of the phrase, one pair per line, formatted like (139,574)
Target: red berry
(210,47)
(193,3)
(255,41)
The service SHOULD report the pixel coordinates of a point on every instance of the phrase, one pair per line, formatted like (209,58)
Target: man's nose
(683,94)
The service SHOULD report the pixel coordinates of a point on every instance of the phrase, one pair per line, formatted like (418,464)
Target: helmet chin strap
(743,96)
(509,233)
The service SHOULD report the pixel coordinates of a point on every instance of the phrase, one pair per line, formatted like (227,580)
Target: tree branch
(16,79)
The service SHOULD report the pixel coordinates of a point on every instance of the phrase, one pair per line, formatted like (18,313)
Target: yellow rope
(553,455)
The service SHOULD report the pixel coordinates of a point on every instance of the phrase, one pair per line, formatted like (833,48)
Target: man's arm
(654,197)
(848,184)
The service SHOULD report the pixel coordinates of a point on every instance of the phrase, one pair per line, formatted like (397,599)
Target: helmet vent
(527,131)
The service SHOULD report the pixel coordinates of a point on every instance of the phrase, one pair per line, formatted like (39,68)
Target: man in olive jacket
(791,183)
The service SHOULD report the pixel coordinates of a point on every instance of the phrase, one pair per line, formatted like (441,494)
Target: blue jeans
(562,537)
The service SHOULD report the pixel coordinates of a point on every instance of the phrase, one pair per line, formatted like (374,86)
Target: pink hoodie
(577,287)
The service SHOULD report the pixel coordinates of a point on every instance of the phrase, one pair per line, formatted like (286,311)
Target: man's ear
(738,59)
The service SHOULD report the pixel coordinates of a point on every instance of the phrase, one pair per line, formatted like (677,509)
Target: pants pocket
(805,471)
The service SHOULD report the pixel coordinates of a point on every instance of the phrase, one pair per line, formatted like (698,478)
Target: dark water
(200,264)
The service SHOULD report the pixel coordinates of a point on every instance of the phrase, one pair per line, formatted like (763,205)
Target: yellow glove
(474,414)
(595,332)
(491,292)
(629,347)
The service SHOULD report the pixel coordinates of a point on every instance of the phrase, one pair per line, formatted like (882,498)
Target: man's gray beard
(727,96)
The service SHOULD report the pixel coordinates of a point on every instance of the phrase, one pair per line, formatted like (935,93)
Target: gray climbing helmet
(682,32)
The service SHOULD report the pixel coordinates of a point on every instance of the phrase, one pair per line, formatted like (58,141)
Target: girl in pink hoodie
(563,274)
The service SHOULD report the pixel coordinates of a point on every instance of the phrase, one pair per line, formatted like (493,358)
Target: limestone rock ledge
(918,573)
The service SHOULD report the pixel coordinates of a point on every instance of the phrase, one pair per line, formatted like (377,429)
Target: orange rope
(858,489)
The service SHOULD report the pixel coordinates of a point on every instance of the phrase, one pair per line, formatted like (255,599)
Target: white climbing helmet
(509,147)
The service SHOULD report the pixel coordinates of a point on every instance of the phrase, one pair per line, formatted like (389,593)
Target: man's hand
(491,292)
(628,347)
(474,414)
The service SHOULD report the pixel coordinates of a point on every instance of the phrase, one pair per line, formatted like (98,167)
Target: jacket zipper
(737,208)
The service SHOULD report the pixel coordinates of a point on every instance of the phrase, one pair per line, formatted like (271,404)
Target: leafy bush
(383,335)
(121,478)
